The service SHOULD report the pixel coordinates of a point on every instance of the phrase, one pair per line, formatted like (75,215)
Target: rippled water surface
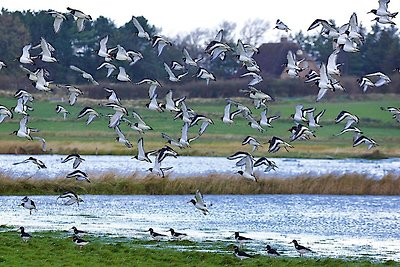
(333,226)
(187,166)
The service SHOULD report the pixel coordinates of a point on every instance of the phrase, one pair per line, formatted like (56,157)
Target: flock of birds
(346,39)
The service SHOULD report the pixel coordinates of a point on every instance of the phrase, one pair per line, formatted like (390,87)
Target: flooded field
(333,226)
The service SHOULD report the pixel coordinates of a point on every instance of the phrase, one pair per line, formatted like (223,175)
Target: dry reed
(348,184)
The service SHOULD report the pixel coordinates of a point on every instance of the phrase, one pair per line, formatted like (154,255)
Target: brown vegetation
(349,184)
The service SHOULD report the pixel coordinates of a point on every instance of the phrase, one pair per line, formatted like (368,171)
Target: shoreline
(44,247)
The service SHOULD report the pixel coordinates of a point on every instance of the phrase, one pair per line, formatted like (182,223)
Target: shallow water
(333,226)
(189,166)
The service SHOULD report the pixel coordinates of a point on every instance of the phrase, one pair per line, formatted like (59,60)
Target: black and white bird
(33,160)
(241,254)
(271,251)
(77,160)
(153,83)
(156,236)
(228,115)
(266,121)
(188,60)
(249,140)
(123,76)
(172,76)
(79,242)
(112,98)
(58,19)
(80,18)
(199,203)
(84,74)
(248,171)
(160,42)
(270,165)
(142,155)
(90,113)
(375,79)
(241,239)
(348,117)
(172,104)
(29,204)
(110,68)
(141,32)
(205,122)
(275,143)
(73,93)
(25,57)
(281,26)
(394,110)
(362,139)
(300,132)
(350,129)
(104,52)
(5,113)
(24,235)
(62,110)
(70,198)
(160,156)
(313,121)
(383,11)
(176,235)
(78,175)
(78,233)
(301,249)
(202,73)
(121,138)
(255,77)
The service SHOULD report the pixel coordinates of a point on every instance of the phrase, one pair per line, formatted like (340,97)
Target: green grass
(57,249)
(219,139)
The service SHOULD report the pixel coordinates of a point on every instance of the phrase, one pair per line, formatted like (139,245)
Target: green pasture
(219,139)
(57,249)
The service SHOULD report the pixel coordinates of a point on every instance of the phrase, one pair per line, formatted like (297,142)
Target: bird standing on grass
(154,235)
(271,251)
(241,254)
(301,249)
(78,233)
(24,235)
(79,242)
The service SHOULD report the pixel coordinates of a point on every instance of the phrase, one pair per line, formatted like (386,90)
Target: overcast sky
(176,16)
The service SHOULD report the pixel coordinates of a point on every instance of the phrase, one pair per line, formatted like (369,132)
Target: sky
(177,17)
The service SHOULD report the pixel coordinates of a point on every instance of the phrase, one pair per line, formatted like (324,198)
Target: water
(188,166)
(333,226)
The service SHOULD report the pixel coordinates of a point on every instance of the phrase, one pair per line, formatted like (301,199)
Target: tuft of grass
(57,249)
(111,184)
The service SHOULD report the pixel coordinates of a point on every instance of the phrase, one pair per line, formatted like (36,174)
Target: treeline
(380,52)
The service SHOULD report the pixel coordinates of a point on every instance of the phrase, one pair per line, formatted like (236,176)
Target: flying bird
(199,203)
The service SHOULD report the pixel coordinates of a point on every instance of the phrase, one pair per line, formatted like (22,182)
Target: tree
(253,31)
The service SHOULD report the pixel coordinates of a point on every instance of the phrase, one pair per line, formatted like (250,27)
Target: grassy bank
(72,135)
(57,249)
(349,184)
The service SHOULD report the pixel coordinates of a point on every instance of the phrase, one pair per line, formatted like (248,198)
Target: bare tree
(253,31)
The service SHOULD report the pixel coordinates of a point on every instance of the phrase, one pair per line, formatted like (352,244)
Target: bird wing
(75,68)
(199,198)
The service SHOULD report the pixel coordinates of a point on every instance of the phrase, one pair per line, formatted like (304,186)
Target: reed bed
(111,184)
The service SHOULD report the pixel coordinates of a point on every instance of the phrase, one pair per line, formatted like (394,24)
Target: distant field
(219,139)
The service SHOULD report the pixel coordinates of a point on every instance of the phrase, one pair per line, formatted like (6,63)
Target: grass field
(73,135)
(57,249)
